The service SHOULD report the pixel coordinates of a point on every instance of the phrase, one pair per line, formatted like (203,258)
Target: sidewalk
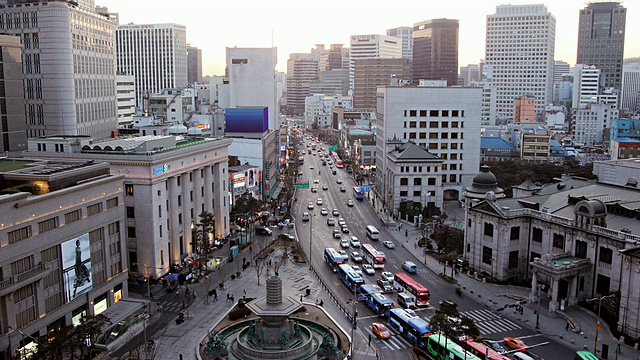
(580,337)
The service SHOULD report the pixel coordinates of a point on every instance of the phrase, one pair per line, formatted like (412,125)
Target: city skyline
(278,23)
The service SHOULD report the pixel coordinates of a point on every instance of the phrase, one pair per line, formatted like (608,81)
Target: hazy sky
(296,26)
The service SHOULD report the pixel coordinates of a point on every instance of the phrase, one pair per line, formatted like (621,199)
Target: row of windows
(417,169)
(417,181)
(9,20)
(434,113)
(432,124)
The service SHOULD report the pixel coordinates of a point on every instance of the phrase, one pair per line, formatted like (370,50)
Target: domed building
(484,183)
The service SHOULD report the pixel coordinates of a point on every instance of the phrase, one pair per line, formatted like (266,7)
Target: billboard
(76,264)
(247,120)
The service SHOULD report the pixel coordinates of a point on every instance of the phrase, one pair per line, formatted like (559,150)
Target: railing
(31,272)
(5,283)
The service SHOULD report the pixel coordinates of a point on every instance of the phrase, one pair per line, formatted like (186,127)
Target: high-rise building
(602,26)
(155,54)
(469,73)
(520,53)
(194,65)
(372,73)
(406,34)
(68,59)
(435,51)
(13,128)
(252,80)
(302,69)
(126,93)
(560,69)
(630,89)
(592,121)
(586,84)
(372,47)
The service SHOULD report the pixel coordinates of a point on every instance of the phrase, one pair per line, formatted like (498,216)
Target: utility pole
(598,326)
(310,234)
(538,310)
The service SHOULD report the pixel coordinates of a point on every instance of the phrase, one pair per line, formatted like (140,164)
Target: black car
(449,305)
(263,231)
(495,345)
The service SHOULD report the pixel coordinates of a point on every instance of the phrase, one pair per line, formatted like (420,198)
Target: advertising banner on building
(76,262)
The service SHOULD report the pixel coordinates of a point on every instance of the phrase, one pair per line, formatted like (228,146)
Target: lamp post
(146,271)
(21,352)
(599,299)
(310,232)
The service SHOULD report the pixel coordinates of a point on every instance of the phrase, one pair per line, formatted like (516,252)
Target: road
(492,324)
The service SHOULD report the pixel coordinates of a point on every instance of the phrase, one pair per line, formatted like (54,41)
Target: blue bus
(380,304)
(349,277)
(333,258)
(365,291)
(412,327)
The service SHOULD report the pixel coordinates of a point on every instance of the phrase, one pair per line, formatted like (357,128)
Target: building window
(534,255)
(48,224)
(128,189)
(536,235)
(404,193)
(558,241)
(513,259)
(488,229)
(24,300)
(131,232)
(515,233)
(72,216)
(581,249)
(487,254)
(605,255)
(131,214)
(94,209)
(404,181)
(111,203)
(19,234)
(114,228)
(604,285)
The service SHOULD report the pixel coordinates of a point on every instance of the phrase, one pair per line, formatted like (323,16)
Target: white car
(356,268)
(316,181)
(310,206)
(350,203)
(335,212)
(324,211)
(341,222)
(355,242)
(319,201)
(344,243)
(389,244)
(368,269)
(336,234)
(387,276)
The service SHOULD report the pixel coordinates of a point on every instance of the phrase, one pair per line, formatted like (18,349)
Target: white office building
(406,34)
(586,84)
(155,54)
(372,47)
(68,66)
(592,120)
(318,108)
(444,120)
(520,49)
(126,95)
(560,68)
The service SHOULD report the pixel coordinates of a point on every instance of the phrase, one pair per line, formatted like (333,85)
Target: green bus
(585,355)
(441,347)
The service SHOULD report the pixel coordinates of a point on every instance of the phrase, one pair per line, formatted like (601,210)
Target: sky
(296,26)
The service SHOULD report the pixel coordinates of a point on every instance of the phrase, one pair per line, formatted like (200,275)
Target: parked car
(263,231)
(389,244)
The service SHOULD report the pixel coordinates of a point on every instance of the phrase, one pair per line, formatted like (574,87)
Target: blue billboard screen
(247,120)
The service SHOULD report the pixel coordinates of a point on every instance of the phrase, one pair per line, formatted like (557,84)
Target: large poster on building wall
(76,262)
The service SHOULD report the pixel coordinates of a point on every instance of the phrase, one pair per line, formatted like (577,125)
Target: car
(495,345)
(324,163)
(325,187)
(350,203)
(344,243)
(316,181)
(314,189)
(324,211)
(335,212)
(345,229)
(449,305)
(343,189)
(385,286)
(355,242)
(389,244)
(343,254)
(386,275)
(319,201)
(368,269)
(356,268)
(288,237)
(310,206)
(515,343)
(306,216)
(263,231)
(336,234)
(341,222)
(356,257)
(409,267)
(339,181)
(311,167)
(331,222)
(333,171)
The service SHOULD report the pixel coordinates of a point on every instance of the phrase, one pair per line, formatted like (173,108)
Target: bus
(373,256)
(372,232)
(379,303)
(484,351)
(349,277)
(585,355)
(333,258)
(365,291)
(443,348)
(336,160)
(412,327)
(405,281)
(359,194)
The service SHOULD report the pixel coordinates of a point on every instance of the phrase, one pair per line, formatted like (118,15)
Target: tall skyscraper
(560,69)
(155,54)
(373,73)
(372,47)
(630,89)
(302,69)
(602,26)
(13,129)
(406,34)
(435,51)
(520,55)
(68,60)
(194,65)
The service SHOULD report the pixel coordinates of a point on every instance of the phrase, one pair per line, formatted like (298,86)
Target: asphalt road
(492,324)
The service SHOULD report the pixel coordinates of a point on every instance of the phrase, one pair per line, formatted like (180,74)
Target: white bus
(372,232)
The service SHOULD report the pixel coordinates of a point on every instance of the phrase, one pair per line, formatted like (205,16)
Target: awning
(277,190)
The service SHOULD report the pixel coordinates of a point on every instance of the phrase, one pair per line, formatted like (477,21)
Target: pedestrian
(415,245)
(300,297)
(215,295)
(244,292)
(369,339)
(566,328)
(159,308)
(228,296)
(406,232)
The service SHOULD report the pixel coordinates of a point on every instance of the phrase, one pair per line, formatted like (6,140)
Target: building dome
(484,183)
(485,178)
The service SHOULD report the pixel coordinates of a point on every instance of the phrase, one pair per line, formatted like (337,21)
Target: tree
(453,325)
(70,342)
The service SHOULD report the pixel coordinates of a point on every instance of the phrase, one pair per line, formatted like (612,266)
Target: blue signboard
(160,170)
(365,188)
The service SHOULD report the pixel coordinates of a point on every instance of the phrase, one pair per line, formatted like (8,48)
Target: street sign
(301,186)
(365,188)
(333,147)
(300,122)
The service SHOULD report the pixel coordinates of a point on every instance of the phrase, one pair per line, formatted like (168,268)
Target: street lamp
(146,271)
(599,299)
(538,310)
(22,353)
(310,233)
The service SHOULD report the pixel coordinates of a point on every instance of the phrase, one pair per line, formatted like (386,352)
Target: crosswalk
(490,323)
(395,342)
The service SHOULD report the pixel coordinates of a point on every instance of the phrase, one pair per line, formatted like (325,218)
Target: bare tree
(259,264)
(279,261)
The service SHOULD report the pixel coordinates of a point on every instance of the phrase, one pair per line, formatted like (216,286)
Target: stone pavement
(581,335)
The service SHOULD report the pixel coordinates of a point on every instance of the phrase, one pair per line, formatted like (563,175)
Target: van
(521,356)
(406,300)
(372,232)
